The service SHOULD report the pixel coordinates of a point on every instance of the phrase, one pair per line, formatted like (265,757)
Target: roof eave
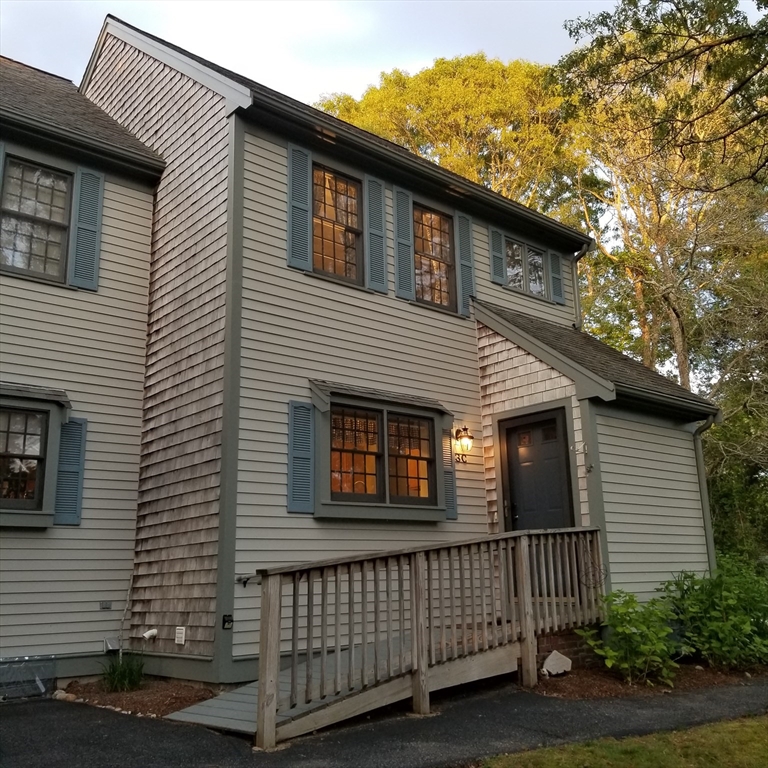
(688,409)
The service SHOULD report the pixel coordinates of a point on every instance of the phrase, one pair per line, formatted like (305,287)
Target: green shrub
(123,674)
(724,618)
(638,642)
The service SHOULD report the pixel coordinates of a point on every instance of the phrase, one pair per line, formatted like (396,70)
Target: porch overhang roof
(323,391)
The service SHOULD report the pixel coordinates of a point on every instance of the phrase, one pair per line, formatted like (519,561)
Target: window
(50,220)
(360,453)
(336,230)
(22,458)
(525,267)
(433,258)
(35,220)
(42,458)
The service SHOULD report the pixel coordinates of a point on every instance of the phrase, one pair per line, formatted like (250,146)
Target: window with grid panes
(411,454)
(34,208)
(356,455)
(336,225)
(433,258)
(525,268)
(22,457)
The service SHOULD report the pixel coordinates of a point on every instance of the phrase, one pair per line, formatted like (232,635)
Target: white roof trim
(237,95)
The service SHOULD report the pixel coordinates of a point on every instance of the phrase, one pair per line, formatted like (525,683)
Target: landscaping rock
(556,664)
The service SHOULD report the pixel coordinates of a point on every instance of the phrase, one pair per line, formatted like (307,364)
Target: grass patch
(735,744)
(123,674)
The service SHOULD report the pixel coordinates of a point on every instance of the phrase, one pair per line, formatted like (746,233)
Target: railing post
(528,644)
(269,660)
(419,638)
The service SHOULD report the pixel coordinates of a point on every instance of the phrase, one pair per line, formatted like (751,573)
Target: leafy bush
(123,674)
(638,642)
(722,618)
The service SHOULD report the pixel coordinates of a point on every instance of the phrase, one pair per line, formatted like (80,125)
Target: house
(77,191)
(352,350)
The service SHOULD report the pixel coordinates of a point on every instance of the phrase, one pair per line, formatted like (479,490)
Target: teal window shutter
(299,208)
(449,477)
(85,232)
(69,477)
(498,257)
(404,276)
(301,464)
(466,270)
(556,278)
(375,236)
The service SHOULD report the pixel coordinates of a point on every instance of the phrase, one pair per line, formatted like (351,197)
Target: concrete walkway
(471,723)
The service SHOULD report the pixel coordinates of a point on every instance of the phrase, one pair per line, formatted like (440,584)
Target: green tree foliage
(711,49)
(499,125)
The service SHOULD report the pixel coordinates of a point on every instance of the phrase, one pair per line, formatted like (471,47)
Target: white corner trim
(237,95)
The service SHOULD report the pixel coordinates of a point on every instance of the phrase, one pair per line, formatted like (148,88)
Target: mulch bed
(156,697)
(601,683)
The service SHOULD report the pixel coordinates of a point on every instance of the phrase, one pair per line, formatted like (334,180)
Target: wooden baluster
(504,595)
(420,657)
(584,572)
(376,620)
(269,661)
(534,576)
(310,636)
(364,623)
(452,597)
(568,589)
(323,629)
(492,581)
(473,596)
(462,577)
(483,596)
(337,628)
(351,627)
(547,577)
(441,602)
(513,589)
(527,626)
(560,608)
(430,608)
(390,658)
(575,580)
(401,598)
(295,639)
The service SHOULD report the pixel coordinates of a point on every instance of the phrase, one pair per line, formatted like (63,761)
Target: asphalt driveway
(470,723)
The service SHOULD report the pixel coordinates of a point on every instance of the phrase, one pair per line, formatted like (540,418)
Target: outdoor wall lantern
(464,442)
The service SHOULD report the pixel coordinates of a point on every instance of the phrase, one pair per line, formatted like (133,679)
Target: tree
(499,125)
(708,46)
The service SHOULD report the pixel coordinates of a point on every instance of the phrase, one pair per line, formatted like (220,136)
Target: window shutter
(498,257)
(466,270)
(301,443)
(299,208)
(69,477)
(556,277)
(404,277)
(375,236)
(85,233)
(449,477)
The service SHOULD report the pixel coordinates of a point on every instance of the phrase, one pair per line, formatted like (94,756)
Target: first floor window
(34,216)
(336,226)
(359,461)
(433,258)
(22,457)
(525,268)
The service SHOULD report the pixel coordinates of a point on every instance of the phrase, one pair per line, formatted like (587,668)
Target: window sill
(379,512)
(25,519)
(338,281)
(435,308)
(39,280)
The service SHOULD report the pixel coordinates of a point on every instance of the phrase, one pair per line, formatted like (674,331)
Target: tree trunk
(636,277)
(680,341)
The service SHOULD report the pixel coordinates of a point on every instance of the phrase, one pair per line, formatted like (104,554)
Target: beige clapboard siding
(185,122)
(52,580)
(653,515)
(511,378)
(380,341)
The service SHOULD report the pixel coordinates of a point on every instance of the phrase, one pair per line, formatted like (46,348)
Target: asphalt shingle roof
(55,101)
(597,357)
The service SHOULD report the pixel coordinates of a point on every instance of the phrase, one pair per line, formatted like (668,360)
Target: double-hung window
(23,436)
(50,221)
(369,454)
(433,258)
(523,266)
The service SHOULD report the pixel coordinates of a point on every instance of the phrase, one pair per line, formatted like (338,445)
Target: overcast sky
(303,49)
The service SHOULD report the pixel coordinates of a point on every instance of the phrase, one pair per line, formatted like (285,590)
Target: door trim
(531,414)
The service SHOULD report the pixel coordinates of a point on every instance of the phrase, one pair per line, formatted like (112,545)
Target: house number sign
(461,458)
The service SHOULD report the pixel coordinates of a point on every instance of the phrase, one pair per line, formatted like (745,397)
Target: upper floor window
(336,230)
(22,455)
(35,220)
(525,268)
(433,258)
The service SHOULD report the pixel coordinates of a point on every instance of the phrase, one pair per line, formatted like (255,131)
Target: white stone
(557,664)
